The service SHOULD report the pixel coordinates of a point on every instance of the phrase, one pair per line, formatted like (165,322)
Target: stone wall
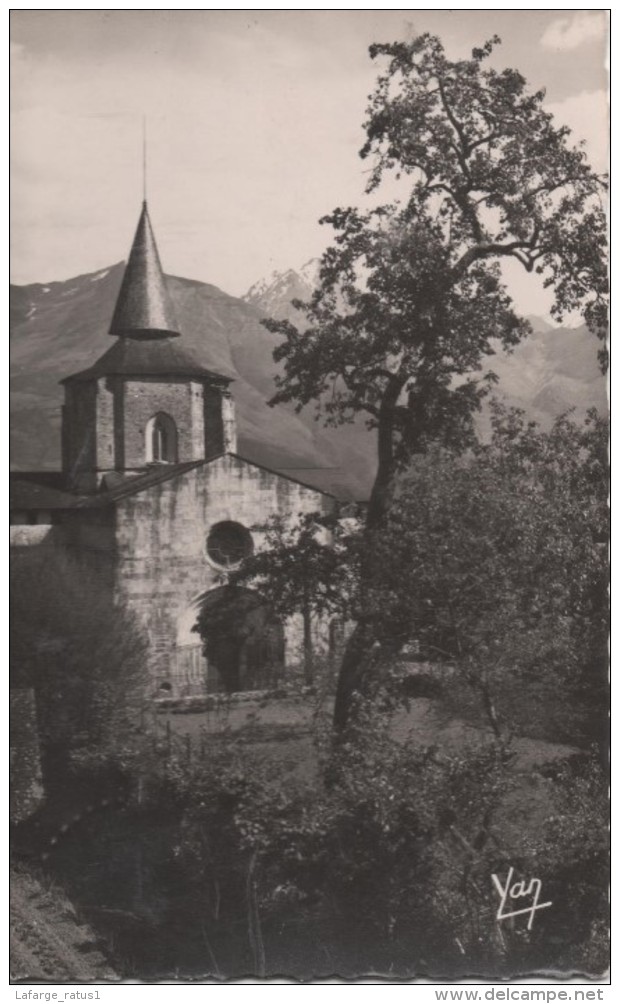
(161,532)
(104,423)
(106,440)
(143,398)
(229,422)
(197,422)
(30,536)
(90,535)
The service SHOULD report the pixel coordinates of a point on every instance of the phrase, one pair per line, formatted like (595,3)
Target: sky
(254,123)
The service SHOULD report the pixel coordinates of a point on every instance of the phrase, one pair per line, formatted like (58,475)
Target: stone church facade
(153,490)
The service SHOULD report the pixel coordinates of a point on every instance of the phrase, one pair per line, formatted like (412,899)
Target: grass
(289,721)
(278,733)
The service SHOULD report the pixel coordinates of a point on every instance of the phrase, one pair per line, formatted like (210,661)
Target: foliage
(411,298)
(496,564)
(572,852)
(311,563)
(385,864)
(492,562)
(81,652)
(377,848)
(487,162)
(410,293)
(307,567)
(234,621)
(381,863)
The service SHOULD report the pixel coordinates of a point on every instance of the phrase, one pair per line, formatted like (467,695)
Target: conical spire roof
(144,308)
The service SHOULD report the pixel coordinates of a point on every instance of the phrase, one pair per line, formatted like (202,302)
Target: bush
(495,563)
(385,865)
(381,863)
(82,653)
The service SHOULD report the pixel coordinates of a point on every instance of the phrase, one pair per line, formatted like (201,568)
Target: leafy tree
(492,561)
(411,298)
(309,567)
(242,638)
(386,866)
(495,562)
(81,652)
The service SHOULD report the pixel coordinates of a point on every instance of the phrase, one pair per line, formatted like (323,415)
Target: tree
(81,652)
(495,562)
(308,567)
(411,298)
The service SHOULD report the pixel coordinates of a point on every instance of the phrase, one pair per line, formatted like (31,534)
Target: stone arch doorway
(243,640)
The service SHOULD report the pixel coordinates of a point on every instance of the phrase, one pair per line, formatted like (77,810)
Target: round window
(229,543)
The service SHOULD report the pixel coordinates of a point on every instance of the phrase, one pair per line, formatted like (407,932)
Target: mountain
(62,327)
(272,296)
(552,371)
(555,369)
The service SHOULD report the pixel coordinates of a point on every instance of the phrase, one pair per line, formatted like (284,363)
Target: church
(153,491)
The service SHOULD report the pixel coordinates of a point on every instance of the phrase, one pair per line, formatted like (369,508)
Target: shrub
(83,654)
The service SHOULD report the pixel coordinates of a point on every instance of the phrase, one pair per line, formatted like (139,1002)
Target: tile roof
(157,357)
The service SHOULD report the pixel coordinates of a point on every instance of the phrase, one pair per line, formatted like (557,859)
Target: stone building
(153,490)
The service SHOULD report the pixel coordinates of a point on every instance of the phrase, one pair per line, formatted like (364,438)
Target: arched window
(161,439)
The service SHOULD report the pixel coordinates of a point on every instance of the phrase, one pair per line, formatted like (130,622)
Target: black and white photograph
(309,496)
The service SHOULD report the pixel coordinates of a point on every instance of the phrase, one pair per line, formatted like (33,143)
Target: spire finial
(144,158)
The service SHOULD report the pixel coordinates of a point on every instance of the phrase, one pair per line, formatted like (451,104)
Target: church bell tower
(146,401)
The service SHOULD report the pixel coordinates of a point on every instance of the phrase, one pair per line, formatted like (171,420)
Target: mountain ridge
(552,370)
(58,328)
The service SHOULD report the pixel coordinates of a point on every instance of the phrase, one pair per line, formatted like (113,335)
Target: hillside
(62,327)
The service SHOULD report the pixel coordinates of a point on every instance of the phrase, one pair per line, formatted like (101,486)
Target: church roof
(329,480)
(33,489)
(144,308)
(25,493)
(143,358)
(121,486)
